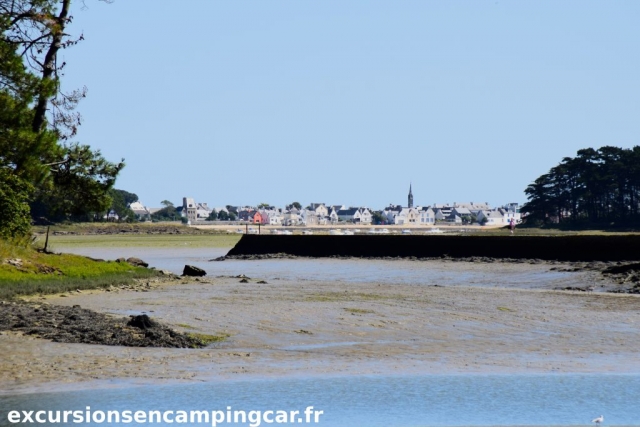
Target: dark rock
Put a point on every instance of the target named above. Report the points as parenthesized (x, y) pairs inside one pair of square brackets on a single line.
[(141, 321), (244, 281), (190, 270), (137, 262), (121, 260), (620, 269), (576, 288)]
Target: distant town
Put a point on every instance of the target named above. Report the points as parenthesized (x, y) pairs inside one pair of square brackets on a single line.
[(319, 214)]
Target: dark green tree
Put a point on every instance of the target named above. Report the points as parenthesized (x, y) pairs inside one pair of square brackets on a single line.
[(168, 213), (378, 218), (120, 201), (38, 119), (213, 216), (14, 209), (595, 187)]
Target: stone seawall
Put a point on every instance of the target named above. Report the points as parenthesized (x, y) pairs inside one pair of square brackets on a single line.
[(560, 248)]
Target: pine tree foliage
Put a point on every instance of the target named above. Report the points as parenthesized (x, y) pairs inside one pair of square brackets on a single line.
[(595, 187), (60, 178)]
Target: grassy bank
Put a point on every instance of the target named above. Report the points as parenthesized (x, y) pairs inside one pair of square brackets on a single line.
[(59, 242), (153, 235), (25, 271)]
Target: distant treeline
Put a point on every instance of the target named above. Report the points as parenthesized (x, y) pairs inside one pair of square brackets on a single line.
[(596, 187)]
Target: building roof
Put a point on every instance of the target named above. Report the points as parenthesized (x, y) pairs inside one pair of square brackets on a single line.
[(492, 214), (462, 211), (350, 211)]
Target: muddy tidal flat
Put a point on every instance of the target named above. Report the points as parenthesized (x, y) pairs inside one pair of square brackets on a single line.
[(315, 327)]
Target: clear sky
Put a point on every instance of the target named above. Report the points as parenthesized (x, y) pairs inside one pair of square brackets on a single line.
[(347, 102)]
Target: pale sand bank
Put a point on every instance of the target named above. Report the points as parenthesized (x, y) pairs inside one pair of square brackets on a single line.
[(334, 328)]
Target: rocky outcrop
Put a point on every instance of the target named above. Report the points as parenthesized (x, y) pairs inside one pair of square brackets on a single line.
[(191, 270), (79, 325), (137, 262)]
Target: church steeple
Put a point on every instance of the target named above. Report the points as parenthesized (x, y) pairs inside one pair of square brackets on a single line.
[(410, 197)]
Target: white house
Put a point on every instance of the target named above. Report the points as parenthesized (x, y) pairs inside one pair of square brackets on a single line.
[(509, 214), (320, 209), (427, 216), (291, 217), (203, 211), (333, 216), (355, 215), (309, 217), (407, 216), (140, 211), (390, 212), (348, 215), (442, 211), (493, 217), (364, 216), (275, 216)]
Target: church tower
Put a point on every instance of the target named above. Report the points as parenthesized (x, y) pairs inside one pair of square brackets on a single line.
[(410, 197)]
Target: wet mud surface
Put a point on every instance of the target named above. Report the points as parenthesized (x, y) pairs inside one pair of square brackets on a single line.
[(312, 327)]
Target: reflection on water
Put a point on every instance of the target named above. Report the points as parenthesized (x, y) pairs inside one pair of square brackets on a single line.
[(346, 270), (437, 400)]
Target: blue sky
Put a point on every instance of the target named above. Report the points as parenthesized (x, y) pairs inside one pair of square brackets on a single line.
[(347, 102)]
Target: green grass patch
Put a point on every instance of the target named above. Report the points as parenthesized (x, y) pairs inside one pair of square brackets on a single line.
[(358, 311), (185, 325), (25, 271), (350, 296), (205, 339)]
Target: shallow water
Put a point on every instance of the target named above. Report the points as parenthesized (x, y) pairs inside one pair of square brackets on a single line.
[(346, 270), (436, 400)]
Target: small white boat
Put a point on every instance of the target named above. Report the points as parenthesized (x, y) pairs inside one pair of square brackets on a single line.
[(384, 231), (406, 231), (435, 230), (348, 233), (335, 232), (307, 232), (372, 231)]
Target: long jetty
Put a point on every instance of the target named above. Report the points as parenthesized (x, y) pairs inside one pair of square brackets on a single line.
[(560, 248)]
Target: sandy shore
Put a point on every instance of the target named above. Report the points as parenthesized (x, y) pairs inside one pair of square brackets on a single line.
[(334, 328)]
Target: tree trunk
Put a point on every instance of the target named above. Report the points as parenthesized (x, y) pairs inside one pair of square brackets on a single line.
[(49, 66)]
